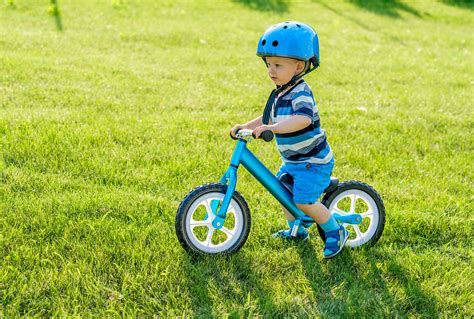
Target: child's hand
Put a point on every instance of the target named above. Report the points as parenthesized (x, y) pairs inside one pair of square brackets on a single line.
[(257, 131), (235, 128)]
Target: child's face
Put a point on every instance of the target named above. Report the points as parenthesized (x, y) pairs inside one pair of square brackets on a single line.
[(281, 70)]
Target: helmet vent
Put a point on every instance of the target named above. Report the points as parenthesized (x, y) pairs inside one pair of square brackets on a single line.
[(298, 26), (275, 43), (285, 27), (264, 41)]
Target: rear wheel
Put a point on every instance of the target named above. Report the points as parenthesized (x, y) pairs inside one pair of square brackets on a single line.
[(194, 221), (356, 197)]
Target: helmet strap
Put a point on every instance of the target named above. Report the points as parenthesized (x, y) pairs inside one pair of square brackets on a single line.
[(273, 95), (268, 107), (281, 88)]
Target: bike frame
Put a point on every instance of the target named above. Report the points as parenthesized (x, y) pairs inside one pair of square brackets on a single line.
[(243, 156)]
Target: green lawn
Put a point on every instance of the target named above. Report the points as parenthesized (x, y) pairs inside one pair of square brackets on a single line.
[(105, 127)]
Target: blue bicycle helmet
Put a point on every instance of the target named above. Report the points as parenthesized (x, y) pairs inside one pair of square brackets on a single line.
[(290, 39)]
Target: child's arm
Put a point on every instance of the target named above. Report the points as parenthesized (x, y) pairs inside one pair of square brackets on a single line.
[(251, 125), (292, 124), (256, 122)]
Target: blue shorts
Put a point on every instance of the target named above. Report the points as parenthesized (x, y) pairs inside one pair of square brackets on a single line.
[(309, 180)]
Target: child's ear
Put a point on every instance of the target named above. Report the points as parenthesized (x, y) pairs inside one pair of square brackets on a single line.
[(300, 66)]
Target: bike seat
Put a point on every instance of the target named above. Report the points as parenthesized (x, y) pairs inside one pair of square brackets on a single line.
[(286, 178), (332, 185), (287, 181)]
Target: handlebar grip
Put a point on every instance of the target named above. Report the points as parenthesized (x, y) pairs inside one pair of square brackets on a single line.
[(234, 138), (267, 136)]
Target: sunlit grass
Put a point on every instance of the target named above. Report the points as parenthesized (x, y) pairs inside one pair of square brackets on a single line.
[(105, 127)]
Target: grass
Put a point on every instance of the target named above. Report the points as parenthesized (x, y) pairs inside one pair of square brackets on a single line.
[(105, 126)]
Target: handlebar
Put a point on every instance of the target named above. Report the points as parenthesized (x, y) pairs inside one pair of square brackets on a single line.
[(267, 136)]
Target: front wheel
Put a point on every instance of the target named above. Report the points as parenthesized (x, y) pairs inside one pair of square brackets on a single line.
[(356, 197), (194, 221)]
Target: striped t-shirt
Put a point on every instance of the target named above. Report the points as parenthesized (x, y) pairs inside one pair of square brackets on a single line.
[(307, 145)]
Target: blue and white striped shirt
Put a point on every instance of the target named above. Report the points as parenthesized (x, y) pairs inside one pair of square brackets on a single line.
[(307, 145)]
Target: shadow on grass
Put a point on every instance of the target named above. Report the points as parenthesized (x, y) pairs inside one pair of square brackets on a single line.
[(367, 27), (388, 8), (278, 6), (467, 4), (216, 282), (345, 16), (376, 284), (347, 288)]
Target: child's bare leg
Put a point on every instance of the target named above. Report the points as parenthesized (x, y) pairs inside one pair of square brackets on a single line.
[(317, 211), (288, 215)]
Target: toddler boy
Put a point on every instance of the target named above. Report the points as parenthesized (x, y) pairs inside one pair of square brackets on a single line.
[(290, 50)]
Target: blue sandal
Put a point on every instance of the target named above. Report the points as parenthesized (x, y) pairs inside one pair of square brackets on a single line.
[(335, 241), (302, 234)]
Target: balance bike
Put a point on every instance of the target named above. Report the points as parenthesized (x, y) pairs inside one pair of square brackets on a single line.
[(215, 219)]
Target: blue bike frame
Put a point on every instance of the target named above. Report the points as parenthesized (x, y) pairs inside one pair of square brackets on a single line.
[(243, 156)]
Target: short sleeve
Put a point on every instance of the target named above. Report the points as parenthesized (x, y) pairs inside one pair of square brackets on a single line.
[(303, 104)]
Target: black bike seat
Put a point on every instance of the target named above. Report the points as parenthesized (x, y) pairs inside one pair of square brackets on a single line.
[(286, 178), (332, 185)]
